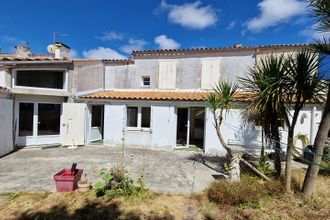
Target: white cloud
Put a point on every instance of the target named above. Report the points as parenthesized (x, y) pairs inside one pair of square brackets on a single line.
[(191, 15), (231, 25), (311, 33), (73, 53), (165, 42), (102, 53), (133, 44), (110, 36), (274, 12), (13, 40)]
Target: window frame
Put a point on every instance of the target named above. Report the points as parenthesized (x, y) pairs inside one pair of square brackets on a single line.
[(143, 78), (139, 118), (65, 79)]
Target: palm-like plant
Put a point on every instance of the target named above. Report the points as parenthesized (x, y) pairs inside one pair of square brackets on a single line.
[(321, 10), (302, 83), (220, 102), (266, 82)]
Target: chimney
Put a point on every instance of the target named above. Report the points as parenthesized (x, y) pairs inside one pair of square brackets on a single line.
[(22, 51), (238, 45), (62, 50)]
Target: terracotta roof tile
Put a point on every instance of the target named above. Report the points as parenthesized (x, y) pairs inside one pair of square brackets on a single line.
[(165, 52), (159, 95), (35, 57)]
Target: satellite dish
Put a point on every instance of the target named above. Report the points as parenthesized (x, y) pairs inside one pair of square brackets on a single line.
[(51, 48)]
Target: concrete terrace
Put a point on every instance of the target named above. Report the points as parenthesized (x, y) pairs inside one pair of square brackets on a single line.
[(173, 172)]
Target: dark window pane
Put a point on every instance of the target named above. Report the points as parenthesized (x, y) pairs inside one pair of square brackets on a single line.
[(97, 116), (25, 119), (132, 114), (40, 78), (49, 119), (145, 121), (146, 81)]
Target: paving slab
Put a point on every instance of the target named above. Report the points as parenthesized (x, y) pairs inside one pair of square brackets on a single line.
[(164, 171)]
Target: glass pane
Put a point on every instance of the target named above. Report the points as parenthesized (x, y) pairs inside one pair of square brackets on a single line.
[(42, 79), (145, 121), (25, 119), (146, 81), (49, 119), (132, 114), (96, 116)]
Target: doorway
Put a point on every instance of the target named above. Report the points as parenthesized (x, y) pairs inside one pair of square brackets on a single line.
[(38, 123), (190, 128), (182, 127), (96, 132)]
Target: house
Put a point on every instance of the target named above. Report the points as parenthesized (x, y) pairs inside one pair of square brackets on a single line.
[(39, 85), (155, 99)]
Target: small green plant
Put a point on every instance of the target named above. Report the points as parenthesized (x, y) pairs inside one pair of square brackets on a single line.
[(263, 162), (116, 181)]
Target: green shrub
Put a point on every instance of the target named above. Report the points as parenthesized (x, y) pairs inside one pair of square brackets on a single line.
[(247, 191), (117, 182)]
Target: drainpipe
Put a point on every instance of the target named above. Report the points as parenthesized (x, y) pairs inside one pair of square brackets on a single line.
[(312, 133)]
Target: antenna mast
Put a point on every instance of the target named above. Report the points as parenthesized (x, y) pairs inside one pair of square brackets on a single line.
[(57, 35)]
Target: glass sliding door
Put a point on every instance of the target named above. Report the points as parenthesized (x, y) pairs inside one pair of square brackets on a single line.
[(26, 119), (49, 119), (38, 123)]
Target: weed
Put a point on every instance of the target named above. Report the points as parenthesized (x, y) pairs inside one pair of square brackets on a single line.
[(247, 191), (117, 182), (263, 162)]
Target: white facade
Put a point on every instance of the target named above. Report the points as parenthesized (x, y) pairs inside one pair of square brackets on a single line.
[(6, 126)]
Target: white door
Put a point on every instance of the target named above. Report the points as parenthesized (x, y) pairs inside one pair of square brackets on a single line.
[(73, 124)]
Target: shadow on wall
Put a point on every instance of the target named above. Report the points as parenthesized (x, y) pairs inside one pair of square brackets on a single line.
[(91, 210), (248, 135)]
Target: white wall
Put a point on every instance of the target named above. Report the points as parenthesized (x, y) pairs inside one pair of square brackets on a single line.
[(6, 123), (161, 134), (306, 125), (234, 132)]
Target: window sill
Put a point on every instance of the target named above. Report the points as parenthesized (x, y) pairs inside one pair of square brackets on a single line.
[(138, 129)]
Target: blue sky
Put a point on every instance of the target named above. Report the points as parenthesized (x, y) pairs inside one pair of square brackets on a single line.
[(112, 29)]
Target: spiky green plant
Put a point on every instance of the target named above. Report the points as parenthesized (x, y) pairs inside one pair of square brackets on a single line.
[(221, 99), (266, 82)]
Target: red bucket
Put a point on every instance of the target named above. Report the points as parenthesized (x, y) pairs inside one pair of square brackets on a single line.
[(65, 181)]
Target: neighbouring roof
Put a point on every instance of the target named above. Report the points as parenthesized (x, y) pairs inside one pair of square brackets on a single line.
[(34, 57), (119, 61), (162, 52), (157, 95)]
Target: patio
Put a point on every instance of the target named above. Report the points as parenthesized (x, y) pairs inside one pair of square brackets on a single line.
[(163, 171)]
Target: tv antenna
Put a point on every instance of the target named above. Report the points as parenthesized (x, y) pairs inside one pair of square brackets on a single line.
[(56, 35)]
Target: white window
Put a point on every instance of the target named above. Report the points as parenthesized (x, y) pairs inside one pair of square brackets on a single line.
[(167, 74), (145, 81), (210, 73), (138, 117)]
